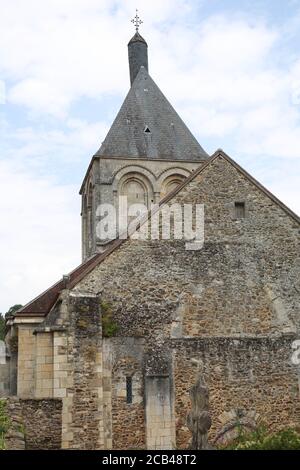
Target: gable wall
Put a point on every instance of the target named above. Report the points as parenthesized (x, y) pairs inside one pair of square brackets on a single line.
[(244, 280), (242, 286)]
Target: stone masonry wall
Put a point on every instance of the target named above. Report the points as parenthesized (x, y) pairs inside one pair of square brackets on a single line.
[(78, 371), (125, 422), (26, 361), (87, 354), (35, 424), (44, 365), (244, 283), (106, 174), (159, 413), (248, 373), (42, 423)]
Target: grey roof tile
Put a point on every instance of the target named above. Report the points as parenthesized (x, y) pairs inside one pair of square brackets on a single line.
[(146, 107)]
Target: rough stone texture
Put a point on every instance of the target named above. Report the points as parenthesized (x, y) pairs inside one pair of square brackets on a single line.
[(35, 424), (124, 358), (15, 435), (226, 288), (246, 373), (90, 375), (87, 425), (42, 423), (198, 418), (78, 372), (239, 294), (104, 182), (233, 304)]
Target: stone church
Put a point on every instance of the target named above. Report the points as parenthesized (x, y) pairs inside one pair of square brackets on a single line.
[(109, 346)]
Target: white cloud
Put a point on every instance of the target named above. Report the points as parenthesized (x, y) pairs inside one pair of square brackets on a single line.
[(41, 149), (68, 49), (40, 237), (40, 230)]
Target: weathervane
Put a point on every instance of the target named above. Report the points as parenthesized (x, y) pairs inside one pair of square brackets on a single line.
[(137, 21)]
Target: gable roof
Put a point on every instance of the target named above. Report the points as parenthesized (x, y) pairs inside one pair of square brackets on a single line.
[(42, 304), (147, 126)]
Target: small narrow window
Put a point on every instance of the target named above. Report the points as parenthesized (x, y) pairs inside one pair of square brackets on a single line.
[(147, 130), (239, 210), (129, 390)]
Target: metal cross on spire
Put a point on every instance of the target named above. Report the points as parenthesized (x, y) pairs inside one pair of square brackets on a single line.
[(137, 21)]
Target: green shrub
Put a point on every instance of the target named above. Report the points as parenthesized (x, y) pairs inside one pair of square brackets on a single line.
[(109, 326), (286, 439), (4, 423)]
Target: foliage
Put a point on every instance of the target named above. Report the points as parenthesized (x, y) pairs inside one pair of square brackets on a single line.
[(109, 326), (13, 343), (261, 439), (4, 423), (12, 310)]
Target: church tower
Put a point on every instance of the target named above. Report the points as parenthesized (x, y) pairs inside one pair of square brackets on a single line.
[(147, 152)]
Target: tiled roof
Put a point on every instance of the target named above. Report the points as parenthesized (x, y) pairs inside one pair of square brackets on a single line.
[(148, 126)]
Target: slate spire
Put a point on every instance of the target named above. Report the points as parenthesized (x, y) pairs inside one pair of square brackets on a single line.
[(137, 51), (147, 126)]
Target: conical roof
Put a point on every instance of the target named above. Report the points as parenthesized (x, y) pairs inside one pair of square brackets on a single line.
[(147, 126), (137, 38)]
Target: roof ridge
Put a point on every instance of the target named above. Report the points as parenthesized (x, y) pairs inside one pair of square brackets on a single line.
[(146, 105), (85, 268)]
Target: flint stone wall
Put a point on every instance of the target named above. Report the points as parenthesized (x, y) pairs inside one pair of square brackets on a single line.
[(35, 424), (243, 373), (243, 286)]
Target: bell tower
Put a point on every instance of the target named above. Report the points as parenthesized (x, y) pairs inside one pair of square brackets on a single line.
[(146, 153), (137, 51)]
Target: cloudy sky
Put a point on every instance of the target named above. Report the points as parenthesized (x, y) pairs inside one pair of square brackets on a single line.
[(231, 68)]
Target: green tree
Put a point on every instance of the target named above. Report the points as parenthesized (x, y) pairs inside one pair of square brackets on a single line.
[(12, 310)]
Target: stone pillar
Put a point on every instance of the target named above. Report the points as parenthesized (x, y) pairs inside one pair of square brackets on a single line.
[(26, 362), (44, 365), (78, 374), (63, 382), (4, 371), (107, 393), (160, 425)]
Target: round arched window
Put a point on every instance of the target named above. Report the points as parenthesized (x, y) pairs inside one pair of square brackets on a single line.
[(135, 191), (170, 183)]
